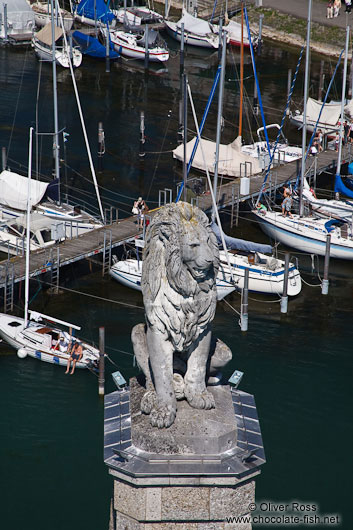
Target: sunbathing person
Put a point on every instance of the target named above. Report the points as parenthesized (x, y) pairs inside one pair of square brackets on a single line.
[(75, 355)]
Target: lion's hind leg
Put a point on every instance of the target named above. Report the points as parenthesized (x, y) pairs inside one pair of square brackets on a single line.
[(195, 390)]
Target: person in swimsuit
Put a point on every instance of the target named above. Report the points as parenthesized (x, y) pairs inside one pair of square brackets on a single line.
[(75, 355)]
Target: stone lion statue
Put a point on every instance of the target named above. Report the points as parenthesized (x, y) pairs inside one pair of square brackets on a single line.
[(174, 349)]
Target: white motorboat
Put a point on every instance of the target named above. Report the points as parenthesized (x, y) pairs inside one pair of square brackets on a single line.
[(128, 272), (42, 44), (133, 45), (137, 15), (42, 15), (197, 32), (43, 341), (44, 233), (13, 199), (308, 234)]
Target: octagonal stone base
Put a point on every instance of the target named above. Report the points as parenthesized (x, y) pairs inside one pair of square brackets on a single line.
[(193, 432)]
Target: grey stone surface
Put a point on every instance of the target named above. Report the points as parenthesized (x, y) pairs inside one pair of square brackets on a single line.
[(185, 504), (194, 431), (129, 500), (154, 504), (174, 350), (231, 501)]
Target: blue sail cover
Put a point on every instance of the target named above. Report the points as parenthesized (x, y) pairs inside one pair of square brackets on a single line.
[(86, 9), (341, 188), (234, 243), (91, 46)]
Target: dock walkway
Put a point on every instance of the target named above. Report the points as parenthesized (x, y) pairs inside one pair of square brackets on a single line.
[(103, 240)]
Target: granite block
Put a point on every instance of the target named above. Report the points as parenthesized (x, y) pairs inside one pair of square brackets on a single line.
[(129, 500), (228, 502), (186, 504)]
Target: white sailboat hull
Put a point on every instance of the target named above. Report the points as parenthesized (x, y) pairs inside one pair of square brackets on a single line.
[(296, 233), (125, 44), (61, 56), (32, 342), (202, 41), (128, 272)]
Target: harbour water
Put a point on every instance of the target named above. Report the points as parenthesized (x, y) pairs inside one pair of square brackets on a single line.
[(298, 366)]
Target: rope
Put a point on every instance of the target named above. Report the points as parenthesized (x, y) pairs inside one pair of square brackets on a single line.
[(93, 296), (228, 304)]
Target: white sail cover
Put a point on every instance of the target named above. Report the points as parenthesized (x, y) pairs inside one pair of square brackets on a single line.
[(230, 157), (330, 113), (194, 24), (20, 17), (233, 29), (13, 190)]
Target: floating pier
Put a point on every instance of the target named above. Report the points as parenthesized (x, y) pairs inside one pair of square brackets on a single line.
[(103, 240)]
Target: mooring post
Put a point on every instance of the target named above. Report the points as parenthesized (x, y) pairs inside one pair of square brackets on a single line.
[(324, 286), (166, 10), (101, 361), (5, 22), (289, 84), (220, 35), (100, 145), (4, 158), (146, 48), (232, 212), (107, 52), (142, 134), (244, 304), (284, 299), (259, 46), (237, 208)]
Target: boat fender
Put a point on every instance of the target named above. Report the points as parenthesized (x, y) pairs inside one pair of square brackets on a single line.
[(22, 353)]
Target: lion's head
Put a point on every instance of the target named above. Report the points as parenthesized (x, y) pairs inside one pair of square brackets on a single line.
[(180, 267)]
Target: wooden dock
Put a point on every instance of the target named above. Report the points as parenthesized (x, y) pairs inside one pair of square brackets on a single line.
[(103, 240)]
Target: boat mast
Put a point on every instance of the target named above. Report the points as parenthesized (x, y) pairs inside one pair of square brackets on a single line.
[(219, 118), (55, 100), (339, 158), (28, 220), (306, 86), (241, 71)]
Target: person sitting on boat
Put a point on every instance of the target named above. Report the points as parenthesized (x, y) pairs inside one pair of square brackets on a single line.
[(261, 208), (63, 344), (75, 355)]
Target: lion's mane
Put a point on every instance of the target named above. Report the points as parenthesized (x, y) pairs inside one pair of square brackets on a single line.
[(176, 303)]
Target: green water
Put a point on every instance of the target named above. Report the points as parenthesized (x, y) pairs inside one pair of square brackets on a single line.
[(298, 366)]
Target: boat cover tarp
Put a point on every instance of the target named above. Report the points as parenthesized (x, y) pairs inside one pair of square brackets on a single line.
[(350, 168), (13, 190), (330, 113), (91, 46), (341, 188), (234, 243), (45, 34), (20, 17), (234, 31), (153, 37), (194, 24), (86, 9), (230, 157)]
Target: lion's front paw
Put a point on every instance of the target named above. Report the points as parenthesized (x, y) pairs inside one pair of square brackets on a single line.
[(163, 416), (148, 401), (202, 400)]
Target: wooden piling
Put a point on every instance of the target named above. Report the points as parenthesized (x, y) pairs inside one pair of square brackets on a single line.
[(325, 282), (244, 317), (101, 379)]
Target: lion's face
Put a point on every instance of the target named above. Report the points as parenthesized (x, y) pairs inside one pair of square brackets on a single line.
[(196, 252)]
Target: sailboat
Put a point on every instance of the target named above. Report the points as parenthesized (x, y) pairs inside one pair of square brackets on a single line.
[(133, 44), (197, 32), (42, 15), (42, 42), (29, 335), (309, 233)]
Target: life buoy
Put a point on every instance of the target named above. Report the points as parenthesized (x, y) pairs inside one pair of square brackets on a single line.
[(22, 353)]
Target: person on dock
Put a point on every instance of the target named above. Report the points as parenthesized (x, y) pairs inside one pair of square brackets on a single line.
[(320, 138), (142, 209), (336, 8), (75, 355), (348, 6), (329, 10), (337, 141)]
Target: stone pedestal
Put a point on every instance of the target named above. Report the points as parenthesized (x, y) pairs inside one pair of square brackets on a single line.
[(193, 476)]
